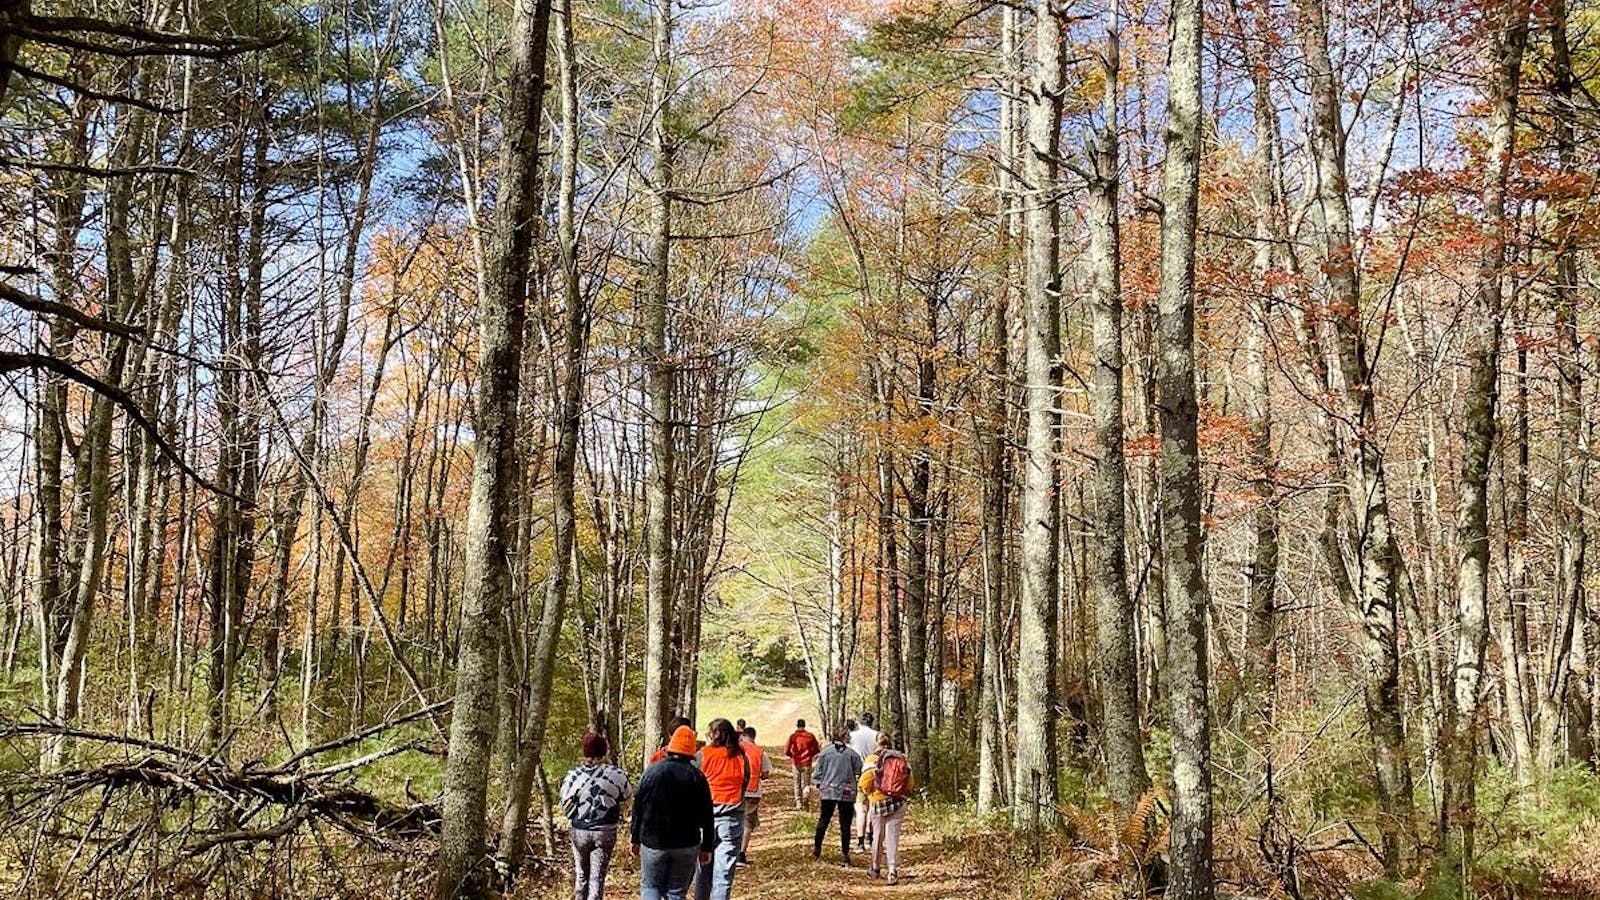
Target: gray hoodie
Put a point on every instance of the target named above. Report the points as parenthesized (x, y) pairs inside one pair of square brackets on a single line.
[(836, 772)]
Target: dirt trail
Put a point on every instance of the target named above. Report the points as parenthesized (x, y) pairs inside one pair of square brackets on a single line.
[(781, 864), (782, 868)]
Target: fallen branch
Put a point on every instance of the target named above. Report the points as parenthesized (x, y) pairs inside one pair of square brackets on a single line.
[(298, 795)]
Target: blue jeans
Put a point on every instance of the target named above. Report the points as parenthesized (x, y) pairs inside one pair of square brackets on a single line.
[(716, 880), (665, 874)]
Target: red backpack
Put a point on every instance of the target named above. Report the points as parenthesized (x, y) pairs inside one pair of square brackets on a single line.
[(894, 775)]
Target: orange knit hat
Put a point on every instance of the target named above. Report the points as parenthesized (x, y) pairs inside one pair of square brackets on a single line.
[(683, 741)]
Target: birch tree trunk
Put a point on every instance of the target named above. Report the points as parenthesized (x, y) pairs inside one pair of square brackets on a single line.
[(1477, 446), (490, 529)]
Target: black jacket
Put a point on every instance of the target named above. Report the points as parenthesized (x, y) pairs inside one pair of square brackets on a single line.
[(672, 807)]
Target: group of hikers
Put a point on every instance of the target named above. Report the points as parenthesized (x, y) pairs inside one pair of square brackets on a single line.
[(698, 804)]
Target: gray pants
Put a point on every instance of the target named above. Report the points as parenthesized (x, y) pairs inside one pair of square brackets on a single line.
[(591, 858), (665, 874)]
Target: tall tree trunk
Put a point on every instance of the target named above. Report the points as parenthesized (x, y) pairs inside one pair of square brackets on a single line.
[(1571, 481), (919, 575), (1114, 613), (1040, 548), (1188, 667), (490, 529), (658, 391), (1260, 670), (996, 484), (568, 418), (1376, 587), (1477, 446)]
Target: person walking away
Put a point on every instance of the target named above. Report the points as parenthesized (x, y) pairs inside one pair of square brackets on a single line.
[(673, 828), (728, 772), (661, 751), (592, 795), (801, 750), (887, 780), (760, 768), (837, 776), (864, 740)]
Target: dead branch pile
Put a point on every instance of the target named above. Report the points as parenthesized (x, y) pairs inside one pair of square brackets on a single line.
[(172, 806)]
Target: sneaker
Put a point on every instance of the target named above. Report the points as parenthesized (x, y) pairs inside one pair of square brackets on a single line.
[(741, 861), (874, 873), (893, 879), (816, 855), (846, 862)]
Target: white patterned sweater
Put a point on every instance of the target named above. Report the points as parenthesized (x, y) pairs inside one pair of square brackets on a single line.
[(592, 796)]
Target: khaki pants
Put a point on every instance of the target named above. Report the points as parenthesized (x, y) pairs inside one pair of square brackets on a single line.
[(886, 840), (802, 785)]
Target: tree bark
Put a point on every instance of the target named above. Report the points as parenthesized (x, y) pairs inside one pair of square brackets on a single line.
[(490, 528), (1376, 588), (1188, 666), (996, 484), (1041, 509), (1115, 624), (658, 390), (1477, 445), (568, 418)]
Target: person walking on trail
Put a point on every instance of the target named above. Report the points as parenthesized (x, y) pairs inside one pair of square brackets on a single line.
[(591, 797), (673, 829), (661, 751), (863, 740), (728, 771), (838, 776), (801, 750), (760, 768), (887, 780)]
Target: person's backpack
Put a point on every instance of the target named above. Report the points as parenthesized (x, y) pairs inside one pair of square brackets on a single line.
[(894, 775)]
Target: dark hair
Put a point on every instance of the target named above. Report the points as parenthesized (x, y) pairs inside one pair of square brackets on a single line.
[(679, 722), (850, 725), (750, 732), (867, 719), (886, 740), (595, 746), (800, 723), (723, 735), (841, 736), (739, 724)]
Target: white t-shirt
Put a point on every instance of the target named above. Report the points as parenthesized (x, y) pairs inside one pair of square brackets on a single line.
[(864, 741)]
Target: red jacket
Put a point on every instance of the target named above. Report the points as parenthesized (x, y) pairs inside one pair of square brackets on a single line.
[(802, 748)]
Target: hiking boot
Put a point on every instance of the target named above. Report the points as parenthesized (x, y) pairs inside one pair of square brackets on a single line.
[(816, 855), (874, 873), (742, 861), (847, 863)]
